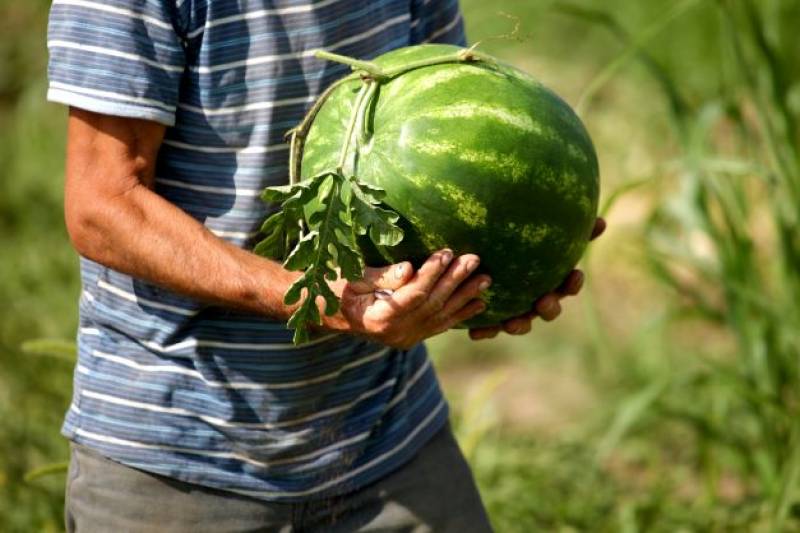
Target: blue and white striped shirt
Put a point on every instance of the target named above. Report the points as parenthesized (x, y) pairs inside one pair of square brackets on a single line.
[(205, 394)]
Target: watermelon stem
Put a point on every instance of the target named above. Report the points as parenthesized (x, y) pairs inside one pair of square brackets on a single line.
[(358, 108), (363, 125), (373, 70), (299, 133), (372, 76)]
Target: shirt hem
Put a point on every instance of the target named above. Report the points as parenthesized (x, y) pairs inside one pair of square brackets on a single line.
[(107, 107), (378, 472)]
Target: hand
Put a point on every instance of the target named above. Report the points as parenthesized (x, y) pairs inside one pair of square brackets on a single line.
[(399, 307), (547, 307)]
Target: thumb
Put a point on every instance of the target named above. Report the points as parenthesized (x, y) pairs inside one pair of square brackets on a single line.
[(391, 278)]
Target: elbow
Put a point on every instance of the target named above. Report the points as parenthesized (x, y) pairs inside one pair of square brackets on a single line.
[(87, 227)]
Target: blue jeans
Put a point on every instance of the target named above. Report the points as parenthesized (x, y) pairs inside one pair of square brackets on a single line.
[(435, 492)]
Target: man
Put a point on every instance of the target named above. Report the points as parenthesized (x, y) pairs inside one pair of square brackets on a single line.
[(192, 410)]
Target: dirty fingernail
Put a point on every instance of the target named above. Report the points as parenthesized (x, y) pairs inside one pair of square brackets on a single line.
[(384, 294), (447, 256)]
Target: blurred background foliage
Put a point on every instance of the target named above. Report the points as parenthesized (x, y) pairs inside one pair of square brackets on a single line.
[(665, 399)]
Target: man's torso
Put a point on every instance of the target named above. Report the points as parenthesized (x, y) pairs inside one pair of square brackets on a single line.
[(205, 394)]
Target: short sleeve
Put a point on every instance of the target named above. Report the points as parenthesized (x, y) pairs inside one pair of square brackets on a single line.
[(116, 57), (437, 21)]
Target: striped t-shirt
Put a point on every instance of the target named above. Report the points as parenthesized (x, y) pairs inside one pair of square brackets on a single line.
[(206, 394)]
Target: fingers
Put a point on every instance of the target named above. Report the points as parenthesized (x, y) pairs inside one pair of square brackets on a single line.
[(465, 293), (478, 334), (471, 309), (572, 284), (388, 278), (548, 306), (419, 287), (519, 325), (450, 282), (599, 228), (433, 269)]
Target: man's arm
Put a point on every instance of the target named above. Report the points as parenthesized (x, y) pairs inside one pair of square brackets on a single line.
[(115, 218)]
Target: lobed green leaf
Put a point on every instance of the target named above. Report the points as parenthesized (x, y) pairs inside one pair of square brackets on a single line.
[(279, 193), (294, 292), (303, 254), (274, 244), (334, 210)]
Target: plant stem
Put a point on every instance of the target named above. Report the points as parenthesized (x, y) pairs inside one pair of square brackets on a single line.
[(370, 68), (362, 124), (374, 76), (378, 74), (462, 56), (298, 133), (293, 155), (365, 89)]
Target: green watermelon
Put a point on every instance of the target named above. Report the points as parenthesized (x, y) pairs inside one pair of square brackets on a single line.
[(474, 156)]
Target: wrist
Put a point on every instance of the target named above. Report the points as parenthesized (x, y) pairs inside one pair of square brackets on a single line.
[(263, 285), (264, 289)]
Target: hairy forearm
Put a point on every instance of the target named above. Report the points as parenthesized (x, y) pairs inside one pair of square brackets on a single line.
[(141, 234), (115, 218)]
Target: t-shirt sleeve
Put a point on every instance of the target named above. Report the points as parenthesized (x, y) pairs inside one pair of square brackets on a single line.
[(117, 57), (437, 21)]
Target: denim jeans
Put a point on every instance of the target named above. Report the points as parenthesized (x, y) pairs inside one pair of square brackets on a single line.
[(435, 492)]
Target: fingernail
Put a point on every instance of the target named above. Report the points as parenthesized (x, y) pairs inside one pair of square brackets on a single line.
[(398, 272), (384, 294), (471, 264), (485, 284), (447, 256)]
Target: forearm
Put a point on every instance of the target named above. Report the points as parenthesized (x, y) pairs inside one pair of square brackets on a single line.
[(114, 217), (141, 234)]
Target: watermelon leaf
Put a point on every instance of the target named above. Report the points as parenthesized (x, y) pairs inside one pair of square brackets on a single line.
[(303, 253), (331, 210), (370, 217), (274, 245), (278, 193)]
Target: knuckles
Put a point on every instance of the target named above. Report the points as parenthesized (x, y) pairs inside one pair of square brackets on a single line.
[(417, 299), (434, 305)]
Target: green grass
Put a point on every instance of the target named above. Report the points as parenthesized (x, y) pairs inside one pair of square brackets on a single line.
[(665, 398)]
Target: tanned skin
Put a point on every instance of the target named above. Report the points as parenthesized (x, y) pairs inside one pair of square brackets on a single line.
[(114, 218)]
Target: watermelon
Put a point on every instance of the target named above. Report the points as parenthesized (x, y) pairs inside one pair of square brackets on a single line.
[(475, 156)]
